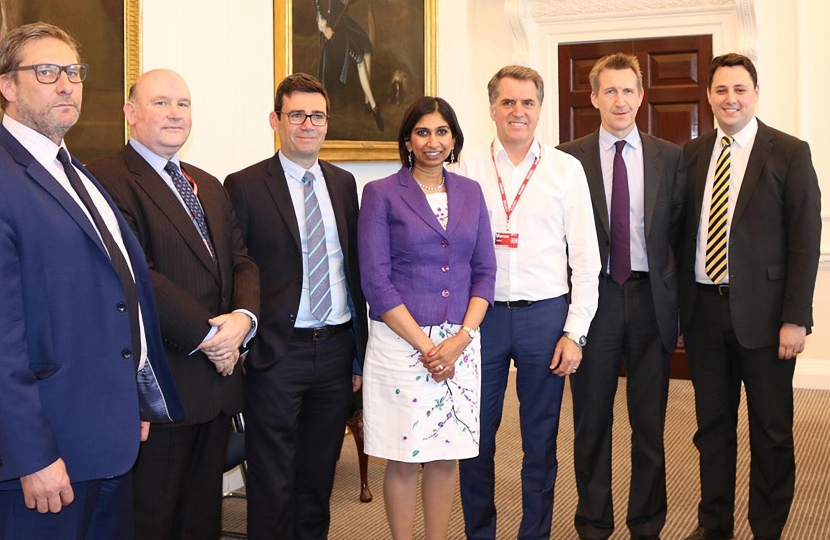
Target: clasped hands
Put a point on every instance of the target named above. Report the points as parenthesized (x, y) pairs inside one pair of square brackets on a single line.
[(223, 348), (440, 359)]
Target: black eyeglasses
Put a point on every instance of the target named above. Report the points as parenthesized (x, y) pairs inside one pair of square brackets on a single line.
[(50, 73), (298, 118)]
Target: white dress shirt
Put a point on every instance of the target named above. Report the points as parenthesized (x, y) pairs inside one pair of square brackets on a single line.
[(555, 223), (633, 157), (741, 148), (45, 152), (340, 312)]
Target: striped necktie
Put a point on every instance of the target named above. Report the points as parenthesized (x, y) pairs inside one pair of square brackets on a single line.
[(718, 211), (319, 285), (197, 214)]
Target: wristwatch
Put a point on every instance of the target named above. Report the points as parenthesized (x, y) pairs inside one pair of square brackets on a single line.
[(472, 333), (576, 338)]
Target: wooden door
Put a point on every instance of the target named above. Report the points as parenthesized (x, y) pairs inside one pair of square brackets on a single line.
[(674, 106)]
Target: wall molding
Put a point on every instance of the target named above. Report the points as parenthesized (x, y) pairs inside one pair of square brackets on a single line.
[(812, 373)]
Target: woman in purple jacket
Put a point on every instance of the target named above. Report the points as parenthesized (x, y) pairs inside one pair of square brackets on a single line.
[(428, 271)]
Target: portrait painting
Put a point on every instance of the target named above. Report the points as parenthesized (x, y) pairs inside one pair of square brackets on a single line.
[(374, 58), (107, 35)]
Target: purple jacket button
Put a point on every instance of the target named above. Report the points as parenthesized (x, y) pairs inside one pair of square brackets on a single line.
[(445, 268), (445, 243), (445, 293)]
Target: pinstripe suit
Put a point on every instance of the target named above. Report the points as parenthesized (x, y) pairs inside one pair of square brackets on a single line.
[(190, 288)]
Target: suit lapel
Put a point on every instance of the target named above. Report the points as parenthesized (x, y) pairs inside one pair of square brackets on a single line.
[(40, 175), (652, 169), (701, 160), (417, 201), (761, 149), (277, 185), (338, 203), (593, 171), (457, 197), (160, 193)]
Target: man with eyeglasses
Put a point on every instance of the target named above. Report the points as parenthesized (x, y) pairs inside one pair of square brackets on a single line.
[(207, 291), (82, 358), (298, 217)]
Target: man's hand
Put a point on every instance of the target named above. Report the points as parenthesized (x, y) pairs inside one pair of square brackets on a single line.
[(48, 489), (357, 383), (145, 431), (225, 367), (224, 345), (566, 357), (791, 340)]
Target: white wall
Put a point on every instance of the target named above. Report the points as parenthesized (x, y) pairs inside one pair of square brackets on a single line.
[(225, 52)]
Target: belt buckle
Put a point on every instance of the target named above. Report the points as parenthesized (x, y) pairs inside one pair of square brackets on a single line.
[(318, 333), (723, 289), (511, 307)]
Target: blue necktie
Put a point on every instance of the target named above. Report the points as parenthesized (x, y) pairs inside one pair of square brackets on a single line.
[(319, 285), (620, 220), (196, 212)]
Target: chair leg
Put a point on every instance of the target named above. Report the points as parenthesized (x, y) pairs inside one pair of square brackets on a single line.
[(355, 425)]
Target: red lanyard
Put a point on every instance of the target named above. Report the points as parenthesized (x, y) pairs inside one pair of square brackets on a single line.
[(509, 211)]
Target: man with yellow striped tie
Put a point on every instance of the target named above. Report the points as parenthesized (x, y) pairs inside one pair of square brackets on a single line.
[(747, 274)]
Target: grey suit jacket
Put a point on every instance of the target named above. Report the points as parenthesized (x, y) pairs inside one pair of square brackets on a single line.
[(664, 182), (774, 238)]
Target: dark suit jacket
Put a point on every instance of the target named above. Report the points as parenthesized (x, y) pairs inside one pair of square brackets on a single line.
[(664, 178), (189, 286), (269, 227), (67, 384), (774, 238)]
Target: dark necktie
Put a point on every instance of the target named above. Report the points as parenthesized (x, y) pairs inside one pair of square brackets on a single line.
[(116, 256), (620, 220), (718, 213), (196, 212), (319, 285)]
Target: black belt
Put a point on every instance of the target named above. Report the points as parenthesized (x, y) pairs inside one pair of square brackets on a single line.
[(324, 332), (515, 304), (636, 275), (720, 290)]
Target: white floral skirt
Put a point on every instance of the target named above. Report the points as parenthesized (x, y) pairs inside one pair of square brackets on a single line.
[(407, 415)]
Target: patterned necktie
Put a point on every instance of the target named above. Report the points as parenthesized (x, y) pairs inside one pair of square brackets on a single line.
[(718, 211), (119, 263), (319, 285), (620, 220), (196, 212)]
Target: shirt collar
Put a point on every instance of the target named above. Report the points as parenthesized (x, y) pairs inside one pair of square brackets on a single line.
[(533, 152), (296, 171), (745, 136), (155, 161), (39, 145), (607, 139)]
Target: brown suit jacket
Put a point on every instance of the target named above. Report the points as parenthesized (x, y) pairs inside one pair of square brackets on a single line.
[(774, 238), (189, 286)]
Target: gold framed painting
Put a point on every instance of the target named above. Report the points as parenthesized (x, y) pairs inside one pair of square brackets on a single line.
[(373, 56), (108, 34)]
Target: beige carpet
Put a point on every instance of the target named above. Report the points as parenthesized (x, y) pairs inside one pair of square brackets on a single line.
[(809, 518)]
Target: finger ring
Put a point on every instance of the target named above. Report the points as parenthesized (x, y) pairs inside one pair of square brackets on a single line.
[(440, 368)]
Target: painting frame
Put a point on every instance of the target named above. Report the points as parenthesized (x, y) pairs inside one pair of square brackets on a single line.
[(351, 150)]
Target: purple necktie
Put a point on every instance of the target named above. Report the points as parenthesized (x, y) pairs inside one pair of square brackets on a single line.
[(620, 220)]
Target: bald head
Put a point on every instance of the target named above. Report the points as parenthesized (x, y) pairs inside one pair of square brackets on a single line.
[(158, 111)]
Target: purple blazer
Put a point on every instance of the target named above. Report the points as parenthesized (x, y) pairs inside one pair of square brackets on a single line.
[(406, 257)]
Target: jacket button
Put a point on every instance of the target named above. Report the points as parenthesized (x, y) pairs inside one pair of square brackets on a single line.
[(445, 243), (292, 317), (121, 306), (445, 293), (445, 268), (127, 353)]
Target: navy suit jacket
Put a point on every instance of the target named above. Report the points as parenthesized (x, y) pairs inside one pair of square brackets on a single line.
[(406, 256), (774, 237), (664, 180), (67, 378)]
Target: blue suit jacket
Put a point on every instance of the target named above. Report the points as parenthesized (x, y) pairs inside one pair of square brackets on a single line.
[(67, 385), (406, 257)]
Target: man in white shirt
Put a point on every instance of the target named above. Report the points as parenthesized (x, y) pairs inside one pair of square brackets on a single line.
[(540, 212)]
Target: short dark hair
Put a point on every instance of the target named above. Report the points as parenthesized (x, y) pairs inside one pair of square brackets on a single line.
[(12, 44), (733, 60), (619, 61), (299, 82), (420, 108), (521, 73)]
